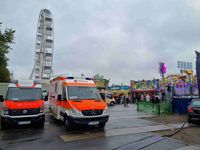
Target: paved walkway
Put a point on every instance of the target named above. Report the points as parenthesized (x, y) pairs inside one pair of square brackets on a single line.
[(123, 121), (192, 147), (124, 128), (115, 132)]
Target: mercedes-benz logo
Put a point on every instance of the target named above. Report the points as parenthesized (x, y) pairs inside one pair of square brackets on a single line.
[(25, 111), (93, 113)]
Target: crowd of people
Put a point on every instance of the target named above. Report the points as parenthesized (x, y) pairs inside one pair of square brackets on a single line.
[(122, 99), (155, 98)]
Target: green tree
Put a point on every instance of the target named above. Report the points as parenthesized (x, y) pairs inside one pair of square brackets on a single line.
[(6, 38)]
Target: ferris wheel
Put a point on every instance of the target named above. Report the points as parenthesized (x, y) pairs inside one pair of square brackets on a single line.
[(44, 47)]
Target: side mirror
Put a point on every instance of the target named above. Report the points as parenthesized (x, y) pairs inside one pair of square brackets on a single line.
[(46, 98), (59, 97), (1, 98)]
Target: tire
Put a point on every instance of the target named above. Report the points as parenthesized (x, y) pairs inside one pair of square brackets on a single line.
[(68, 124), (189, 120), (50, 111), (41, 125), (102, 125), (3, 124)]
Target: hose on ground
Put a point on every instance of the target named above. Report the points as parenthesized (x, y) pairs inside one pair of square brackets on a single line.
[(170, 135)]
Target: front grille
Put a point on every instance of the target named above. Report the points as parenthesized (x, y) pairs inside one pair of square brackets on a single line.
[(92, 112), (20, 112)]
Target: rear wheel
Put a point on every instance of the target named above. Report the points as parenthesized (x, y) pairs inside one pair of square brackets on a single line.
[(50, 111)]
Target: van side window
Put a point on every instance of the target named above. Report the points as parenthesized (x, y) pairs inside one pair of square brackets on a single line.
[(56, 86), (64, 96)]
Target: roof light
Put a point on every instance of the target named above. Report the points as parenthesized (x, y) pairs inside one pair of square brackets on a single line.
[(36, 82), (88, 78), (14, 81), (70, 77)]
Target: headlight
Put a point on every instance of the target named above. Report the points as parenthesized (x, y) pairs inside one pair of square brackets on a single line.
[(106, 110), (42, 108), (5, 110), (74, 112)]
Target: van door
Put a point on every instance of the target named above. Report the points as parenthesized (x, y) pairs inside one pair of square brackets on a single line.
[(53, 100)]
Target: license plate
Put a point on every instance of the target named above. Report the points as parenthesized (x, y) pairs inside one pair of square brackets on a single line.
[(24, 122), (93, 122)]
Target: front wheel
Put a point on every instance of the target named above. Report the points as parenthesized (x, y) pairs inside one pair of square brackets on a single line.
[(3, 124), (102, 125), (41, 124), (68, 124), (189, 120)]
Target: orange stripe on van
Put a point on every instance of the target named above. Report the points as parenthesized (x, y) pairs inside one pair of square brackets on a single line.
[(23, 104)]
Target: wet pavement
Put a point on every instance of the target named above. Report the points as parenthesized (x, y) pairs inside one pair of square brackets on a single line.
[(120, 133)]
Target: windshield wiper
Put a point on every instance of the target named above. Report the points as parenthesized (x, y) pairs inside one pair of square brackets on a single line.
[(26, 99), (92, 98), (77, 100)]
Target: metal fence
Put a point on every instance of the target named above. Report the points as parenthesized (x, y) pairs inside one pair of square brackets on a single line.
[(162, 108)]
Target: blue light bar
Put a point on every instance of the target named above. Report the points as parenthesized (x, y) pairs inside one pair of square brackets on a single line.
[(14, 81), (88, 78)]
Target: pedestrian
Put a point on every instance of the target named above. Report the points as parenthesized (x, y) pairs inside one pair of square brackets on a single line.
[(121, 98), (127, 99), (148, 97), (157, 98), (162, 91), (103, 97), (142, 97)]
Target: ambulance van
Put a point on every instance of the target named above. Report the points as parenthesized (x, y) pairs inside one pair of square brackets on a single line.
[(76, 101), (23, 104)]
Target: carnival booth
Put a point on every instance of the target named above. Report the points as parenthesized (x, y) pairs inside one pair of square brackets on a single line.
[(118, 90), (184, 88), (140, 89)]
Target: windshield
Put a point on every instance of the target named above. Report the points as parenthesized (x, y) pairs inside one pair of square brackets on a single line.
[(78, 92), (196, 103), (24, 94)]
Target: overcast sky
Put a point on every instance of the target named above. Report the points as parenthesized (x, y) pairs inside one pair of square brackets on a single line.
[(121, 39)]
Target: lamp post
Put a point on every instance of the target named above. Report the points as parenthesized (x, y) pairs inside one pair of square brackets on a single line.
[(162, 71)]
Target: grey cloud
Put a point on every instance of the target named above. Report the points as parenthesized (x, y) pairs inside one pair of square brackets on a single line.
[(123, 40)]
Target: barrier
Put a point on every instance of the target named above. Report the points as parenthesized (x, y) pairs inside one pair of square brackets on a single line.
[(162, 108)]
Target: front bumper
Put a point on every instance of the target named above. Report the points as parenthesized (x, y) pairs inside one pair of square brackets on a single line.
[(194, 116), (16, 120), (86, 121)]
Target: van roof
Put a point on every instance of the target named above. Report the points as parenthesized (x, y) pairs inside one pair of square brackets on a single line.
[(25, 83), (75, 81)]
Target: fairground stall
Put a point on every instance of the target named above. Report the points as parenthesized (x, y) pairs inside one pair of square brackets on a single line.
[(139, 89), (182, 88), (119, 90), (101, 82)]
